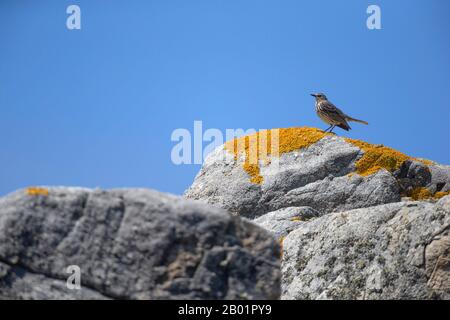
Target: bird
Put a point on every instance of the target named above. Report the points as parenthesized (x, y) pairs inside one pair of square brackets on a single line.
[(331, 114)]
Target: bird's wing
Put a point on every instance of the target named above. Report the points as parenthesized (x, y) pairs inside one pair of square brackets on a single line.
[(327, 106)]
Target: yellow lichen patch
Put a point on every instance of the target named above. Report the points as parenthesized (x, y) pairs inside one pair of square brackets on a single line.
[(291, 139), (377, 157), (420, 194), (441, 194), (253, 171), (258, 147), (425, 161), (36, 191), (424, 194), (296, 219)]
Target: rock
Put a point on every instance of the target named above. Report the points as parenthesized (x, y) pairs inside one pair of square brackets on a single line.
[(440, 178), (393, 251), (413, 175), (23, 284), (344, 210), (130, 244), (334, 194), (311, 168), (283, 221)]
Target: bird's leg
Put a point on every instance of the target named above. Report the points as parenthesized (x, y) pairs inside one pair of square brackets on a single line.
[(332, 127), (328, 128)]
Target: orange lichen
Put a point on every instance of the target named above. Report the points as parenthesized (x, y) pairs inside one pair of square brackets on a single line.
[(259, 147), (441, 194), (425, 194), (377, 157), (36, 191), (253, 171), (420, 194), (263, 144)]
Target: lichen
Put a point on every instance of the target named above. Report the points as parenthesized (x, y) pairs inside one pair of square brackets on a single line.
[(253, 171), (260, 146), (441, 194), (36, 191), (420, 194), (377, 157), (425, 194)]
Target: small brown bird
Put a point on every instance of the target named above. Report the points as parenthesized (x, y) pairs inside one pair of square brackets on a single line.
[(331, 114)]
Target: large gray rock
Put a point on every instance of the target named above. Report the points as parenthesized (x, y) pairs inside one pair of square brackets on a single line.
[(322, 176), (393, 251), (336, 206), (131, 244)]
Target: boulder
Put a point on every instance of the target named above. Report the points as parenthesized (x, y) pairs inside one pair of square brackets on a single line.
[(393, 251), (130, 244), (297, 167)]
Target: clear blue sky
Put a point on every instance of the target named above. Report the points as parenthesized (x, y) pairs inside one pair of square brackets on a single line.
[(96, 107)]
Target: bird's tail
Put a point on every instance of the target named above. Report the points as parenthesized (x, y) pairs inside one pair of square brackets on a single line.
[(356, 120)]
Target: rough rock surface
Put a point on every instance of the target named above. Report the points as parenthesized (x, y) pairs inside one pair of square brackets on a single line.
[(440, 178), (342, 210), (283, 221), (394, 251), (322, 175), (131, 244)]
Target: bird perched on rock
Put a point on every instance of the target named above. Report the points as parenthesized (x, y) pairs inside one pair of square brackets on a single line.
[(331, 114)]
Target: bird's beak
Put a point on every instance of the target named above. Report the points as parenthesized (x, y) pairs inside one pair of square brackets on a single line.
[(313, 94)]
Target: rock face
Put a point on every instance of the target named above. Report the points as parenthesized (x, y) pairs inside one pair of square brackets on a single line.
[(322, 171), (130, 244), (283, 221), (346, 212), (393, 251)]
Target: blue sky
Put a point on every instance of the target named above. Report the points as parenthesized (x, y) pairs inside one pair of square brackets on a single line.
[(96, 107)]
